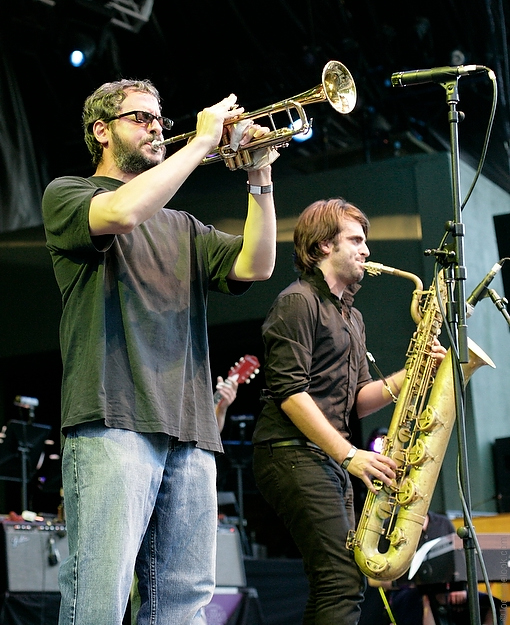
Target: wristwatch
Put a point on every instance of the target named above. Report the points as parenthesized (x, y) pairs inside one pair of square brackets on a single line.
[(349, 457), (256, 189)]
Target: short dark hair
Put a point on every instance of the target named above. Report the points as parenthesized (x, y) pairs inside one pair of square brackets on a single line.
[(105, 103), (322, 222)]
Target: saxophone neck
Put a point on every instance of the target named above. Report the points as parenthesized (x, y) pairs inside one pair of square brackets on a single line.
[(375, 269)]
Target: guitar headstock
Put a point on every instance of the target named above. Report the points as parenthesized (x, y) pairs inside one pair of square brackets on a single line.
[(245, 369)]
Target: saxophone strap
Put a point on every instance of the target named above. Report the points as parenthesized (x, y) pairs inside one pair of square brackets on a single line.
[(386, 385)]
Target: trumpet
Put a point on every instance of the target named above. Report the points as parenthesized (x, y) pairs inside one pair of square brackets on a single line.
[(337, 87)]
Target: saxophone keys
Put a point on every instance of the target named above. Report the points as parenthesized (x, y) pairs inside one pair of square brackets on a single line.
[(428, 419), (418, 453), (385, 509), (376, 564), (408, 492), (404, 433), (397, 537)]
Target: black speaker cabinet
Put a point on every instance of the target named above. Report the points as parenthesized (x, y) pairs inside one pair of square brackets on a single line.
[(501, 455), (31, 556)]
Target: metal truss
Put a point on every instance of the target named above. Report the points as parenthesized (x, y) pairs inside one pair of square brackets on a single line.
[(128, 14)]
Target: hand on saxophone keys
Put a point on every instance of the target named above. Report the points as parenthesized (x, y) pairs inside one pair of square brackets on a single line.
[(370, 466), (438, 352)]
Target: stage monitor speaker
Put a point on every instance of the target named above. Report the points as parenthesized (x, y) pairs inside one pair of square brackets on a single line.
[(229, 558), (31, 556), (501, 457)]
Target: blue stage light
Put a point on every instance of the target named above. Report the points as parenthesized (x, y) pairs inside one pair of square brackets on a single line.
[(77, 58), (302, 136)]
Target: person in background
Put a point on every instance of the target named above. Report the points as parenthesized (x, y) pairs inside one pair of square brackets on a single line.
[(227, 391), (138, 421), (317, 380)]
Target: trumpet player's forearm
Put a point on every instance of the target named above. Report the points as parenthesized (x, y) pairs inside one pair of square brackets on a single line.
[(143, 195), (257, 257)]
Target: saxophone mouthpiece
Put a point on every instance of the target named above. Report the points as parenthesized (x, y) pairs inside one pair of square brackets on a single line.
[(375, 269)]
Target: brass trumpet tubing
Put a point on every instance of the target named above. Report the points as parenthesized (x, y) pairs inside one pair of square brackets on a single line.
[(337, 88), (269, 111)]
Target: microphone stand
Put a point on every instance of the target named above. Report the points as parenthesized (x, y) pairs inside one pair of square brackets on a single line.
[(455, 272)]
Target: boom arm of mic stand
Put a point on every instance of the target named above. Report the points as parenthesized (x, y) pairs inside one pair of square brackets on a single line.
[(500, 303)]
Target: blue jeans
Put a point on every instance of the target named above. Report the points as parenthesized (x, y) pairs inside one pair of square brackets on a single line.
[(313, 496), (140, 500)]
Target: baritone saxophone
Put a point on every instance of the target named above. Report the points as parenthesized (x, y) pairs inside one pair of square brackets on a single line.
[(390, 525)]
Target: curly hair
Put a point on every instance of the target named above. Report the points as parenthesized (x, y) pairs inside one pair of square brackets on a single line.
[(105, 103), (322, 222)]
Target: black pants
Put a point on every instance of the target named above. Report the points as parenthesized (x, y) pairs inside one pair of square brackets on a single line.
[(313, 496)]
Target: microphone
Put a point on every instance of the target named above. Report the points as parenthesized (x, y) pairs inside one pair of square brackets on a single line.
[(54, 554), (436, 74), (480, 291)]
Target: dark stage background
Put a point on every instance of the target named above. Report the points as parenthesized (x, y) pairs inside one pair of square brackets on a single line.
[(196, 53)]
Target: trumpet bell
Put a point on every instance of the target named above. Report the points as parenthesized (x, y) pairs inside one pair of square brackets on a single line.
[(339, 87)]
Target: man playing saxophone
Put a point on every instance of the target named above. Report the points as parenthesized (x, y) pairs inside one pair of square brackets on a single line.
[(318, 378)]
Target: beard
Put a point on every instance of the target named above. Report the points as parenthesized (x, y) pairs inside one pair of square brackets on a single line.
[(131, 160), (345, 267)]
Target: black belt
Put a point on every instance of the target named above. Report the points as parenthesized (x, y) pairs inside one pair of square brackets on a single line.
[(291, 442)]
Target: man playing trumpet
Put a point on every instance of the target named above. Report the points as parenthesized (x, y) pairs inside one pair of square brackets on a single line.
[(138, 418)]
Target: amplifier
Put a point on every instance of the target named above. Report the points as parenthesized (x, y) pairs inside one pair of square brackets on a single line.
[(229, 557), (31, 554)]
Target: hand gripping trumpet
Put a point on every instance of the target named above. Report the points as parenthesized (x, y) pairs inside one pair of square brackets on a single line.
[(390, 524), (337, 87)]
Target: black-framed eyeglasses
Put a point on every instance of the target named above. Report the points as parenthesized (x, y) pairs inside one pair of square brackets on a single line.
[(144, 117)]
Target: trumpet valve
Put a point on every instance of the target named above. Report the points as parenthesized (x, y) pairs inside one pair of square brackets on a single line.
[(235, 160)]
